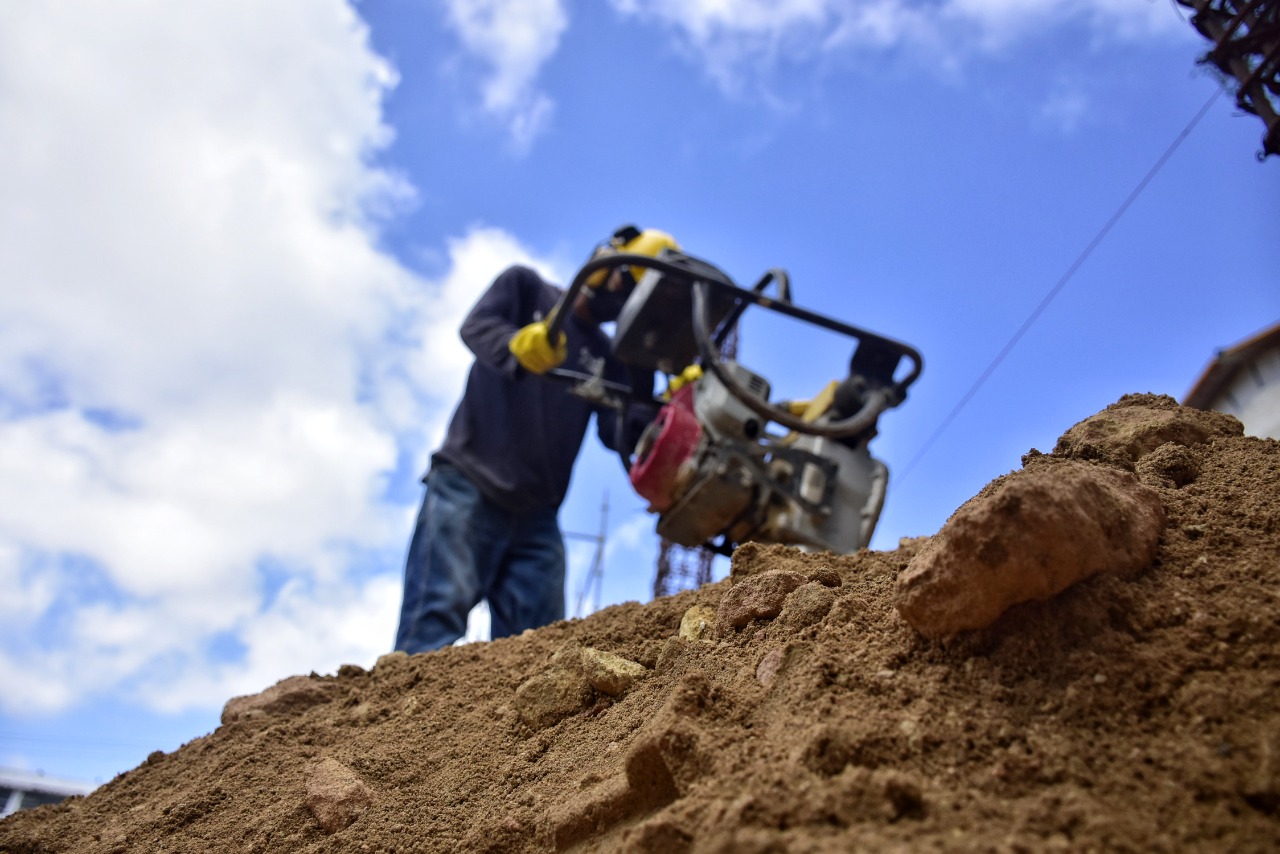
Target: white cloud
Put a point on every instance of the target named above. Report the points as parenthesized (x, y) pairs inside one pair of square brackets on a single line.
[(633, 535), (306, 629), (162, 197), (740, 41), (702, 18), (998, 20), (28, 592), (737, 40), (514, 39), (1066, 106), (473, 261), (183, 505), (208, 368), (631, 557)]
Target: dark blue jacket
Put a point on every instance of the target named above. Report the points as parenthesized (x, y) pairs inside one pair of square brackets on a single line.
[(516, 435)]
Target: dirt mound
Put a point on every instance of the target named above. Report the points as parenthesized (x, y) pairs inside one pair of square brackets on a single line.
[(792, 708)]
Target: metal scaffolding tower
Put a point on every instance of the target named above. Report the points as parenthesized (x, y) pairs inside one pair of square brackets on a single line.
[(589, 593), (1246, 52), (681, 568)]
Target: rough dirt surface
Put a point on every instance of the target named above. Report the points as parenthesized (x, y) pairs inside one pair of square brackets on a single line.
[(1134, 711)]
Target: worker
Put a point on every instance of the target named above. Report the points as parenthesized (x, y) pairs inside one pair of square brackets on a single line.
[(488, 528)]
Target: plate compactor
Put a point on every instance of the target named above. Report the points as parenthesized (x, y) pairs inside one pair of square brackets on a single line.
[(720, 464)]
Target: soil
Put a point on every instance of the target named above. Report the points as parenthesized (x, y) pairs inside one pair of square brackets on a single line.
[(1134, 711)]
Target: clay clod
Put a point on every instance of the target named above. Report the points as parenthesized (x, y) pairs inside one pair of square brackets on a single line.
[(806, 605), (288, 696), (1137, 424), (757, 597), (1028, 537), (336, 796), (551, 696), (608, 673)]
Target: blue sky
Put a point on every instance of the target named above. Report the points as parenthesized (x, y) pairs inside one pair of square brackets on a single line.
[(238, 238)]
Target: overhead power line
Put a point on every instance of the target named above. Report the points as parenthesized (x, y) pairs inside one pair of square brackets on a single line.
[(1059, 285)]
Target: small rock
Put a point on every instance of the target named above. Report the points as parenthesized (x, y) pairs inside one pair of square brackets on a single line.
[(697, 622), (552, 696), (670, 654), (757, 597), (609, 673), (336, 796), (770, 664), (604, 671)]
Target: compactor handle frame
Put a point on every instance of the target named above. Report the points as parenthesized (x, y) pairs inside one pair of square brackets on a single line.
[(876, 400)]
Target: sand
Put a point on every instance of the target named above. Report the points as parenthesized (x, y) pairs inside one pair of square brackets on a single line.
[(793, 707)]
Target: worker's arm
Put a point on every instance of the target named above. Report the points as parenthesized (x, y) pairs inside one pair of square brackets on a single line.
[(508, 306)]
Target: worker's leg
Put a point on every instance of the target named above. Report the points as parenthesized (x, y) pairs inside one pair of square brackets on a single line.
[(528, 590), (442, 575)]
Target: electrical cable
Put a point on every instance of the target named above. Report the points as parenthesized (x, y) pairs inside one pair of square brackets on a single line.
[(1061, 283)]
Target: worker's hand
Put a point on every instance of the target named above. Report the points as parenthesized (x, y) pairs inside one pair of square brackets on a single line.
[(533, 349), (693, 373)]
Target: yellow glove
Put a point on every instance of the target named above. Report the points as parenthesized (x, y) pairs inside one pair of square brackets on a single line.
[(533, 350), (693, 373), (810, 410)]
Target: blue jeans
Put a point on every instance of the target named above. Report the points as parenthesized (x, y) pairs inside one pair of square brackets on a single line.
[(464, 549)]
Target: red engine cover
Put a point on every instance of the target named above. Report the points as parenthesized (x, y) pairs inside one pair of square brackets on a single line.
[(655, 473)]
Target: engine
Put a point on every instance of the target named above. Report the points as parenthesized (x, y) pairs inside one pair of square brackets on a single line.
[(709, 468)]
